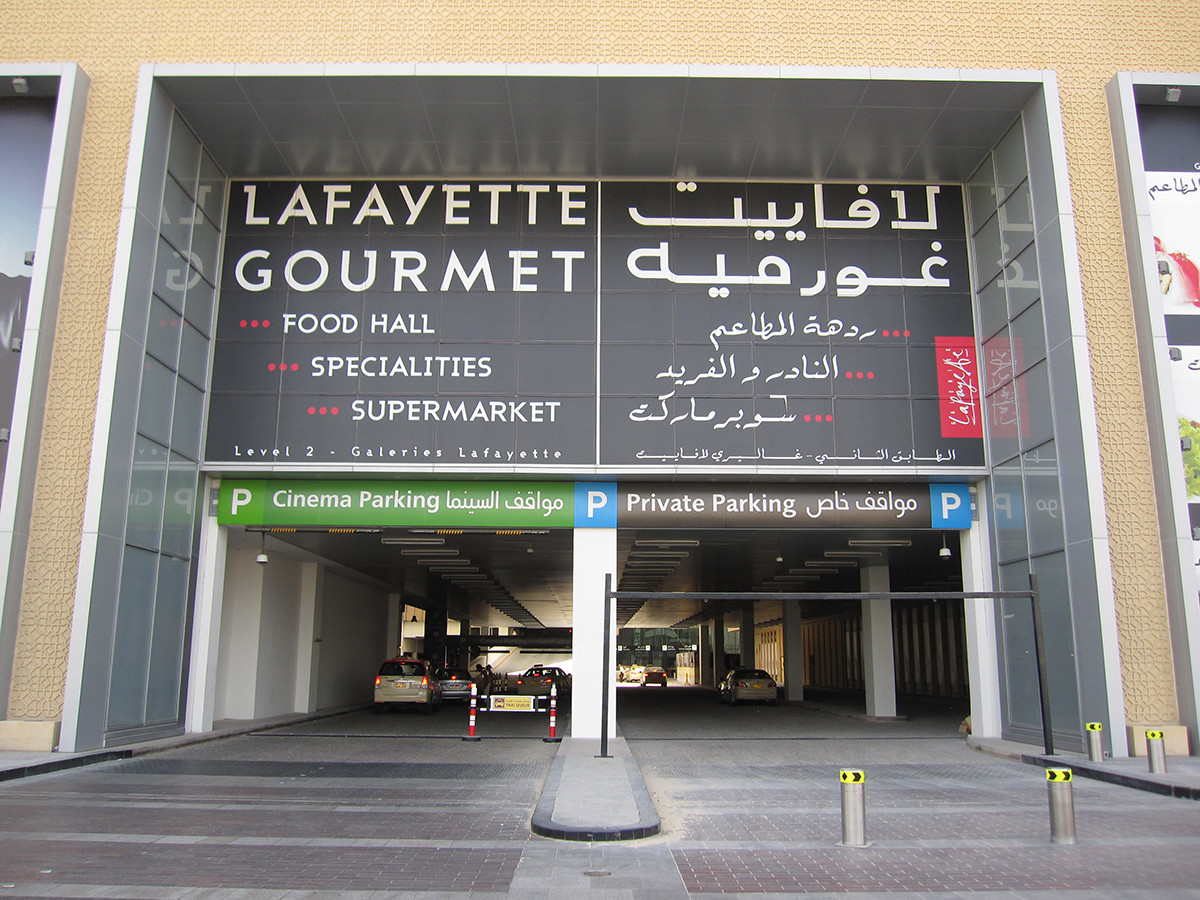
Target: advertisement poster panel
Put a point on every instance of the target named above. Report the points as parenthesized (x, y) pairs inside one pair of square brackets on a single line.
[(615, 325), (1175, 219)]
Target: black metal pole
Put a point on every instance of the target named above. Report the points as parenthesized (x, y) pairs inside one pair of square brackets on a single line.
[(1039, 652), (605, 673)]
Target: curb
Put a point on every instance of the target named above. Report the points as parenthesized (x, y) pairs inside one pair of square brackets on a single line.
[(1087, 769), (59, 765), (648, 824)]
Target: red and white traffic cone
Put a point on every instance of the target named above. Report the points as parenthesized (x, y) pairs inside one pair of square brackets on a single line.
[(553, 716), (471, 721)]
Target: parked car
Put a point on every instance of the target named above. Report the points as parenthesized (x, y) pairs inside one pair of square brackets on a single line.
[(407, 682), (654, 675), (456, 684), (539, 679), (747, 684)]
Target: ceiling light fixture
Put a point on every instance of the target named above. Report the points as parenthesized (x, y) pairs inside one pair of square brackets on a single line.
[(413, 542), (834, 554), (429, 552), (880, 542)]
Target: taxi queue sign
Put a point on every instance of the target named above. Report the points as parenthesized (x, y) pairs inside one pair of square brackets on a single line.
[(510, 703), (1095, 741), (1062, 806), (854, 808), (1156, 750)]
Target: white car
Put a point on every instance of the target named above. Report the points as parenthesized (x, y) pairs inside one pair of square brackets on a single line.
[(748, 684), (407, 682)]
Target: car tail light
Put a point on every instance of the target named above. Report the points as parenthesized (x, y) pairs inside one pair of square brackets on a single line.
[(770, 684), (424, 681), (378, 681), (520, 681)]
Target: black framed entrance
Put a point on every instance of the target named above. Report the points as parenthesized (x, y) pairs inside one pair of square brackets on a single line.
[(611, 597)]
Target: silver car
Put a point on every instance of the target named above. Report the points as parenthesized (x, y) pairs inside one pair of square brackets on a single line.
[(747, 684), (407, 682), (456, 684)]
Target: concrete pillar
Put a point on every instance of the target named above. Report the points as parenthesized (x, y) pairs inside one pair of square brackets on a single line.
[(595, 555), (746, 626), (206, 625), (983, 662), (308, 646), (719, 668), (704, 659), (879, 663), (793, 652)]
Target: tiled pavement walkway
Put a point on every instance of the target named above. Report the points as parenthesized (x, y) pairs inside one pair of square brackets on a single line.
[(398, 806)]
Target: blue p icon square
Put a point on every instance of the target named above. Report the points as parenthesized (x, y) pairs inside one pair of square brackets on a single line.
[(950, 506), (596, 504)]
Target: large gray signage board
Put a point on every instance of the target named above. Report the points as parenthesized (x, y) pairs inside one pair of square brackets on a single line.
[(637, 325)]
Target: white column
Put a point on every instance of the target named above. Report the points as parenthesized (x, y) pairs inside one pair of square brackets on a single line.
[(879, 665), (793, 652), (206, 624), (308, 645), (983, 663), (595, 553)]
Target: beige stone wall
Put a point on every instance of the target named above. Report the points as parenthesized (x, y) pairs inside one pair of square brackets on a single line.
[(1085, 41)]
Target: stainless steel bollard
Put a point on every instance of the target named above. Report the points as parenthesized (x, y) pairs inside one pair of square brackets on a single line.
[(1156, 750), (854, 808), (1062, 806), (1095, 741)]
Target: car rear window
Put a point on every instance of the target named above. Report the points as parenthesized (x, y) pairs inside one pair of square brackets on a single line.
[(402, 667), (751, 673), (456, 674)]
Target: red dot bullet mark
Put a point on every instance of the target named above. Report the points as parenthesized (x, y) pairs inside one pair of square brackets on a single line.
[(323, 410)]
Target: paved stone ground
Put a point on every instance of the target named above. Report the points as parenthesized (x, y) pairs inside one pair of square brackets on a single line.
[(398, 806)]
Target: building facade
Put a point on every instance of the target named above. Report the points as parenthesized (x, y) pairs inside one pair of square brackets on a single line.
[(507, 255)]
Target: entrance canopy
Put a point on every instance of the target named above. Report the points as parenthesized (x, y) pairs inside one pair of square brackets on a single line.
[(509, 544), (599, 121)]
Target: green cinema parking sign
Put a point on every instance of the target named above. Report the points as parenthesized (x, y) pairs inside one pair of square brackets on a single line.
[(396, 504)]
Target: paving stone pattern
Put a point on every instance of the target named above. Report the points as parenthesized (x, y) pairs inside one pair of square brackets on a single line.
[(367, 808)]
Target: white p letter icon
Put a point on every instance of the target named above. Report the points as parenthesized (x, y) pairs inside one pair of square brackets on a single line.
[(950, 502), (596, 500), (239, 498)]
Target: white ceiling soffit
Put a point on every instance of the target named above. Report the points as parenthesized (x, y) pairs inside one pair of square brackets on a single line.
[(481, 122)]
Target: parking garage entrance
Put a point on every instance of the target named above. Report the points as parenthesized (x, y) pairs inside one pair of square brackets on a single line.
[(512, 575)]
